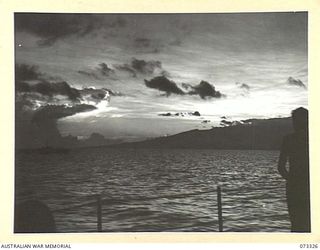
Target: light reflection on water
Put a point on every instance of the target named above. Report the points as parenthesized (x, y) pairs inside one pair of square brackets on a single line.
[(252, 192)]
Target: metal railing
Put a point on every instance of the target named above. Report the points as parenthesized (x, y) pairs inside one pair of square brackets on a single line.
[(98, 201)]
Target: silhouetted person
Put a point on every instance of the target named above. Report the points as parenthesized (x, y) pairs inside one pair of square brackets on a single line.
[(33, 216), (295, 150)]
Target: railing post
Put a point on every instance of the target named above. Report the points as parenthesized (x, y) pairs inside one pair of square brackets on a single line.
[(219, 209), (99, 213)]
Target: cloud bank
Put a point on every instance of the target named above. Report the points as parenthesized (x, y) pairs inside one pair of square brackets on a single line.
[(55, 112), (100, 72), (203, 89), (137, 67), (142, 67), (53, 27), (40, 103), (164, 84), (50, 89), (33, 91)]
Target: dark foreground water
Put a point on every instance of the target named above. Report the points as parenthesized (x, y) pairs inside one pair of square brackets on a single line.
[(157, 190)]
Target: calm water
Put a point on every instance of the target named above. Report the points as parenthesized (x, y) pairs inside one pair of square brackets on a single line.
[(157, 190)]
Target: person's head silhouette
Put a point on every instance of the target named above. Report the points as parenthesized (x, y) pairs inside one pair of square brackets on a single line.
[(300, 119)]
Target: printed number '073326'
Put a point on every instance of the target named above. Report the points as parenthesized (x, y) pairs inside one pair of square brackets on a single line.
[(309, 246)]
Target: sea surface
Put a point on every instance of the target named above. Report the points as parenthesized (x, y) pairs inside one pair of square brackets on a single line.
[(156, 190)]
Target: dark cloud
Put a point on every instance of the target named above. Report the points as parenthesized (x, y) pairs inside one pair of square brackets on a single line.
[(28, 78), (186, 86), (204, 90), (31, 73), (39, 103), (145, 67), (25, 72), (183, 114), (101, 72), (104, 69), (28, 102), (37, 114), (55, 112), (97, 95), (126, 68), (49, 89), (39, 128), (142, 67), (21, 86), (295, 82), (164, 84), (92, 94), (33, 92), (243, 86), (50, 27), (135, 68)]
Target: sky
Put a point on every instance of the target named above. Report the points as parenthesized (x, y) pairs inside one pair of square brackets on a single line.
[(138, 76)]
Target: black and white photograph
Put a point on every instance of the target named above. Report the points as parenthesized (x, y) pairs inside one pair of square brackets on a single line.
[(161, 122)]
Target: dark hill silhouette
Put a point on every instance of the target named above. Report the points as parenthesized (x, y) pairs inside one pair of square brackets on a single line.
[(264, 134)]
